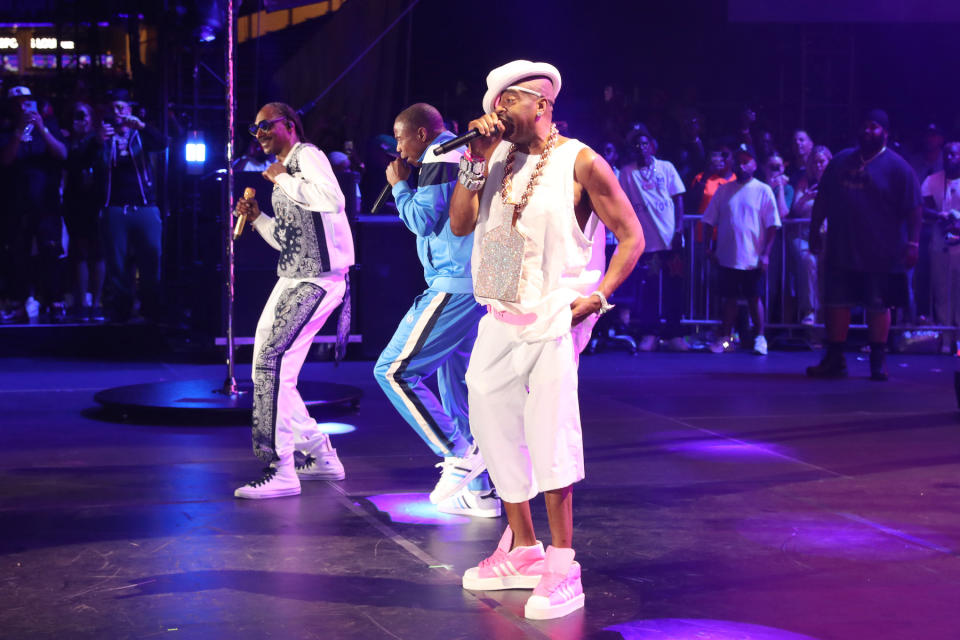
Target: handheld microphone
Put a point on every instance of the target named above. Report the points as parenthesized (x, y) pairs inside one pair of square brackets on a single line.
[(459, 141), (248, 194), (381, 198)]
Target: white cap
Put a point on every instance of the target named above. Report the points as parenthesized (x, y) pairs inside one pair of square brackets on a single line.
[(513, 72), (17, 92)]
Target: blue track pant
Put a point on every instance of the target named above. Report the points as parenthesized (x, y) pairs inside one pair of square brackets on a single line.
[(436, 335)]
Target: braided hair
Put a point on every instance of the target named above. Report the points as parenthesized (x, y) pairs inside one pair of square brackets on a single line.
[(290, 114)]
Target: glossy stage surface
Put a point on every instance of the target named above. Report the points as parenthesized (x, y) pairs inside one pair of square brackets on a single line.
[(727, 497)]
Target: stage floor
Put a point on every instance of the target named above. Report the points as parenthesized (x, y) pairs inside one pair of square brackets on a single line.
[(726, 497)]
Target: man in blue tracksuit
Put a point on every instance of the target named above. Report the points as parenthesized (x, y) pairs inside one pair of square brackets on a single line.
[(438, 332)]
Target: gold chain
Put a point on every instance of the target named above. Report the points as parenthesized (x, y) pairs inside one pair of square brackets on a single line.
[(506, 185)]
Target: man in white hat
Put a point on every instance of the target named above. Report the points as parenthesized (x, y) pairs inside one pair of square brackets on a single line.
[(534, 199)]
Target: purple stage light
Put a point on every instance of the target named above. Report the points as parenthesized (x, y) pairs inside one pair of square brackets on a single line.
[(841, 535), (697, 629), (206, 33), (732, 449), (413, 508)]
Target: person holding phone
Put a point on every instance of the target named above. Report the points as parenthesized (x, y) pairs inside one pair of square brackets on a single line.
[(31, 156), (130, 220)]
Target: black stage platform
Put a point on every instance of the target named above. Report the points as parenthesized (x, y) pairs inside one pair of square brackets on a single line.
[(727, 497), (206, 396)]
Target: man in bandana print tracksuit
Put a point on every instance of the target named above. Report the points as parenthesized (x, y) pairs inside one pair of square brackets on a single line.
[(312, 234)]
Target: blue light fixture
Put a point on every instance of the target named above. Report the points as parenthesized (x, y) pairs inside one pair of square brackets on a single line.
[(195, 153)]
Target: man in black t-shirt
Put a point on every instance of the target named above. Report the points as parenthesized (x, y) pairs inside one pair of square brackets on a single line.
[(130, 220), (870, 198)]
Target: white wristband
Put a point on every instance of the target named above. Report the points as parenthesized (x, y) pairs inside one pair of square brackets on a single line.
[(604, 305)]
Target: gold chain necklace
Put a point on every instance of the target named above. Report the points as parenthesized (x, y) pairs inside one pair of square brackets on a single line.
[(865, 162), (506, 186)]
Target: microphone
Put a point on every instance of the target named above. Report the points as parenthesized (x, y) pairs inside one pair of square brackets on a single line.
[(381, 198), (459, 141), (248, 194), (386, 188)]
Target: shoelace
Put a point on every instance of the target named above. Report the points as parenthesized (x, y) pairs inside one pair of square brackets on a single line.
[(309, 460), (453, 461), (497, 558), (447, 462), (268, 474), (550, 582)]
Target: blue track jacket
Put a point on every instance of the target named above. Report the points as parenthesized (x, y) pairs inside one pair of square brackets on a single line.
[(426, 212)]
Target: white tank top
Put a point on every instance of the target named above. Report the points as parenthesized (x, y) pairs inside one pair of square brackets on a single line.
[(556, 261)]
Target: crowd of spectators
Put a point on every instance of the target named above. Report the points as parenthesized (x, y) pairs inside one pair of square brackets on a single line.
[(84, 229), (749, 197)]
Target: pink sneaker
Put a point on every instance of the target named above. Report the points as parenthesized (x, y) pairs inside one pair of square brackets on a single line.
[(560, 592), (506, 569)]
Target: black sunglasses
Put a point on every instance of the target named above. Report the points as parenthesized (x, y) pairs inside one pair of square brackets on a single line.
[(79, 115), (263, 125)]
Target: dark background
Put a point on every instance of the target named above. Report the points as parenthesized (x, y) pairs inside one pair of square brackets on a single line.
[(658, 56)]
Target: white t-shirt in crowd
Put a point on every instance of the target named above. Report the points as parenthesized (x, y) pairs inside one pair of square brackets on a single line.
[(945, 193), (741, 214), (651, 192)]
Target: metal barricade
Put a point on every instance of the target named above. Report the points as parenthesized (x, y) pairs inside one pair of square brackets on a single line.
[(780, 309)]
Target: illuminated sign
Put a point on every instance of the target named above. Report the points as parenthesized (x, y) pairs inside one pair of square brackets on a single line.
[(7, 42)]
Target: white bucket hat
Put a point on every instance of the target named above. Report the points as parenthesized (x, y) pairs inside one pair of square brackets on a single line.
[(504, 76)]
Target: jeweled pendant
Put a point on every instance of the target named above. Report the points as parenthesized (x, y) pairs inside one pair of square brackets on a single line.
[(501, 263)]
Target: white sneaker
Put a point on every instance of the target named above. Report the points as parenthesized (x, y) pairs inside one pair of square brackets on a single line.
[(319, 465), (275, 483), (809, 319), (480, 504), (760, 346), (456, 473)]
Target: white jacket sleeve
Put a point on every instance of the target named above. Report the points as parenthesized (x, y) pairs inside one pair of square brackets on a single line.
[(315, 188), (264, 225)]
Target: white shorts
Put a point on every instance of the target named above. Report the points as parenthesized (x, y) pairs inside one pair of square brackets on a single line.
[(524, 410)]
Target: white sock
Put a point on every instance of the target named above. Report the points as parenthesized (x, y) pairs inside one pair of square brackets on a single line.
[(324, 444)]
